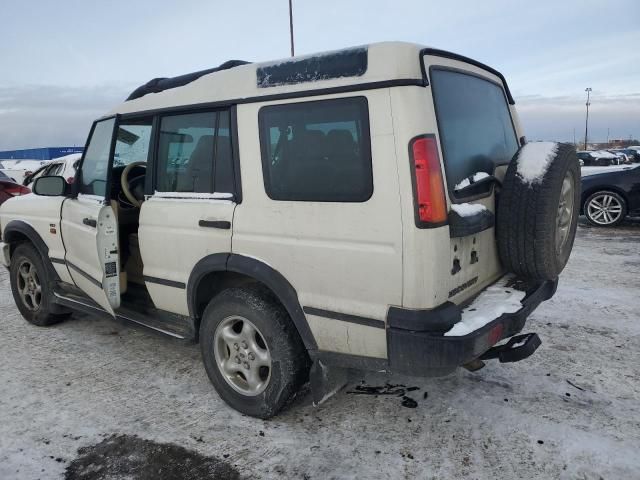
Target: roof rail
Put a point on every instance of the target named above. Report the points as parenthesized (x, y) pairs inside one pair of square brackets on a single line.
[(163, 83)]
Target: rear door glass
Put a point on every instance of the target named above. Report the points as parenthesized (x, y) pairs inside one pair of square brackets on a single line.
[(476, 131)]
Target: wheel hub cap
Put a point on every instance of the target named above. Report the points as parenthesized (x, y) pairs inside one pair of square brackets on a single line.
[(604, 209), (242, 355), (565, 210), (29, 287)]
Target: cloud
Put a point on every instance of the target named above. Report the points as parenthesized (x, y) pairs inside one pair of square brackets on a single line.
[(41, 116)]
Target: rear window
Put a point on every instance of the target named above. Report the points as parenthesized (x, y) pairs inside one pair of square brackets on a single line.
[(475, 127), (317, 151)]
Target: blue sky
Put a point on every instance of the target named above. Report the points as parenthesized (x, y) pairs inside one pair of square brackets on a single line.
[(67, 62)]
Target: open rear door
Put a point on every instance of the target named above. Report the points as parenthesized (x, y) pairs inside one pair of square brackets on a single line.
[(89, 225)]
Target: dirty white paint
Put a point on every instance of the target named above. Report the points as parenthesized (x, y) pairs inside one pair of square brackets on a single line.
[(70, 385)]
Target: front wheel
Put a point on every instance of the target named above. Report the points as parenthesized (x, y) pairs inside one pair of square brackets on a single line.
[(252, 352), (31, 287), (605, 209)]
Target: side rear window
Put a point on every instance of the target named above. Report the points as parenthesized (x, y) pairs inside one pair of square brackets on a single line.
[(474, 122), (317, 151), (194, 153)]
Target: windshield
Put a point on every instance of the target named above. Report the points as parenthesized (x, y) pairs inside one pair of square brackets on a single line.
[(475, 128)]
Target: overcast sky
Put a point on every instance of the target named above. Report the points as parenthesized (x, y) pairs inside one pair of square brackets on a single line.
[(64, 63)]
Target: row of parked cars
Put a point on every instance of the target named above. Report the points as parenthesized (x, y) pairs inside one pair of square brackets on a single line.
[(604, 158), (17, 176)]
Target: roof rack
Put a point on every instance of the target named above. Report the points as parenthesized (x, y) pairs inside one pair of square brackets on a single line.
[(163, 83)]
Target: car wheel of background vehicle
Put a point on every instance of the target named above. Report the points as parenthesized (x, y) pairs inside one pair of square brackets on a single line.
[(537, 219), (252, 352), (605, 209), (30, 285)]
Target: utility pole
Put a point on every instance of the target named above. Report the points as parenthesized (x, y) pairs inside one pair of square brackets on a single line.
[(291, 27), (586, 123), (607, 137), (574, 137)]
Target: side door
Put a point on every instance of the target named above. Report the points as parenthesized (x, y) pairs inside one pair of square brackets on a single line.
[(189, 212), (89, 226)]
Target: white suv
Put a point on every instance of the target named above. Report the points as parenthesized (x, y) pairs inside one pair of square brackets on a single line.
[(369, 208)]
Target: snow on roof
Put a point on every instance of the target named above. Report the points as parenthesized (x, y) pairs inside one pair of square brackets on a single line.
[(533, 160), (385, 61), (603, 154)]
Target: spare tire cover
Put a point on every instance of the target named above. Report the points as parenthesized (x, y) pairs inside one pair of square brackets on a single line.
[(538, 208)]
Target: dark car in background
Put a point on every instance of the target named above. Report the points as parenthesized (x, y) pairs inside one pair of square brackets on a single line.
[(632, 155), (608, 197), (598, 158), (9, 188)]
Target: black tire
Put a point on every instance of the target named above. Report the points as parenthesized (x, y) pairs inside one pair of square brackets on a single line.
[(45, 313), (289, 360), (528, 215), (603, 220)]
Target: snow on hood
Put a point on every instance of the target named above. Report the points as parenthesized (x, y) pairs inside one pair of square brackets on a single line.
[(467, 209), (534, 159), (489, 305)]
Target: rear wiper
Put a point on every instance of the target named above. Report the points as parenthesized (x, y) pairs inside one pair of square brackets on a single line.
[(474, 183)]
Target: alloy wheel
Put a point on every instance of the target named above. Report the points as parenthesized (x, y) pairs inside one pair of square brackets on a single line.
[(29, 286), (565, 210), (604, 209), (242, 355)]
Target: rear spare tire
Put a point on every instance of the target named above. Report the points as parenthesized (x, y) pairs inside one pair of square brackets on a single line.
[(538, 210)]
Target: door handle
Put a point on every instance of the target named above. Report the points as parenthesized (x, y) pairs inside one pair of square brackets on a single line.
[(222, 224), (90, 221)]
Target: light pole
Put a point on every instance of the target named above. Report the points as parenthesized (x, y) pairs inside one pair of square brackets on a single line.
[(586, 123), (291, 27)]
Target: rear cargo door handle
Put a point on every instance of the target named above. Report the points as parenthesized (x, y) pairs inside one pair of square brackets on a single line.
[(90, 221), (222, 224)]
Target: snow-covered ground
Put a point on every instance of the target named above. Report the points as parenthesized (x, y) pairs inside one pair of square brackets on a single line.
[(570, 411)]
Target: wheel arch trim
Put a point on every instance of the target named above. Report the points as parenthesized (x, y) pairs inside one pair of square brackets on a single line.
[(20, 227), (261, 272)]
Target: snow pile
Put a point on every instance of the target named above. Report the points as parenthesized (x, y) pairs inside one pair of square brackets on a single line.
[(471, 179), (467, 209), (534, 159), (489, 305)]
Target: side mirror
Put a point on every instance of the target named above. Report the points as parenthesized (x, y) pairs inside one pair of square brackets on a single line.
[(50, 186)]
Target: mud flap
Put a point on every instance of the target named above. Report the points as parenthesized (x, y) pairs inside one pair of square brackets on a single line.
[(326, 381)]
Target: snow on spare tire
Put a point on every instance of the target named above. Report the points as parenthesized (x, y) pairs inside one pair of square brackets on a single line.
[(538, 210)]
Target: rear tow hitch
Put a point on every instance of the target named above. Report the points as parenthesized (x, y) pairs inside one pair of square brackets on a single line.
[(516, 349)]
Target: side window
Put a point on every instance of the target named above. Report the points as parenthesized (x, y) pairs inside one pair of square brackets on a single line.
[(317, 151), (132, 142), (194, 153), (95, 165)]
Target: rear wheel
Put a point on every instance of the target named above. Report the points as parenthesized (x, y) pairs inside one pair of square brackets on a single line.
[(31, 287), (252, 352), (605, 209)]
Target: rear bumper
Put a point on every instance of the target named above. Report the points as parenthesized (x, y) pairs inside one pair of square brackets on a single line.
[(425, 353)]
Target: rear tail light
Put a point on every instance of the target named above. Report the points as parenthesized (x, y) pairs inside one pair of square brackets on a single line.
[(16, 190), (429, 198)]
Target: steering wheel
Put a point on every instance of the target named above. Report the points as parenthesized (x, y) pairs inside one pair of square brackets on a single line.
[(128, 185)]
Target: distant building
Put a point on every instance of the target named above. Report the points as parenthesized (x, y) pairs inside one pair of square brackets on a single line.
[(45, 153)]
